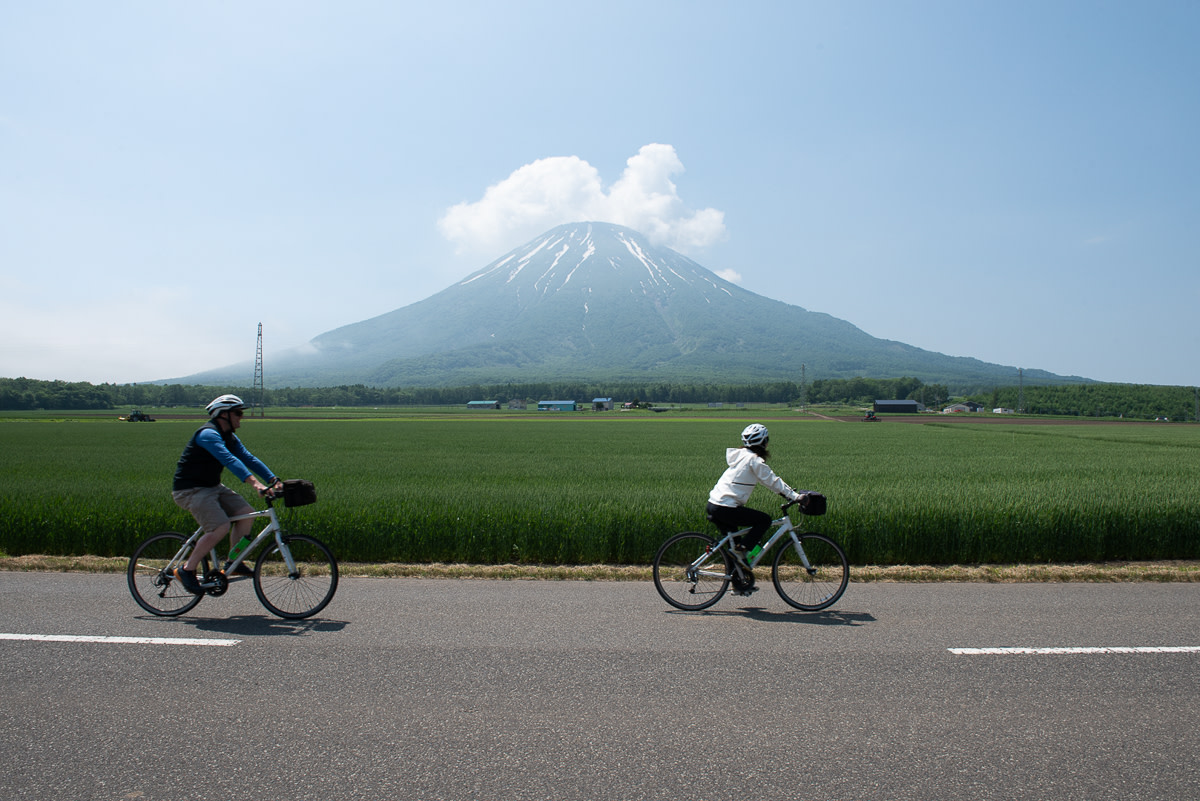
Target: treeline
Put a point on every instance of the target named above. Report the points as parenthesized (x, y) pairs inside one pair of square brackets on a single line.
[(29, 394), (1134, 401)]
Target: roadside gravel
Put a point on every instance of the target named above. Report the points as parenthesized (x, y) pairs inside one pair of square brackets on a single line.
[(1165, 571)]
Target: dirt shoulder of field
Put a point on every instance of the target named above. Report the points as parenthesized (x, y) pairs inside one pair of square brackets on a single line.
[(1004, 419), (1166, 571)]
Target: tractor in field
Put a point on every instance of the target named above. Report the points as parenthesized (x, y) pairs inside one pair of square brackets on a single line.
[(870, 417), (137, 416)]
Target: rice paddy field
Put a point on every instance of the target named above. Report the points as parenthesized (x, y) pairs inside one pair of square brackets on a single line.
[(581, 489)]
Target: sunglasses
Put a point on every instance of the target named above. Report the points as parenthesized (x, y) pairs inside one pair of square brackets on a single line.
[(237, 412)]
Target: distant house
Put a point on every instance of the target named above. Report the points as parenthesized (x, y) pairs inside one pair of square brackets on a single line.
[(899, 406), (602, 404), (516, 403), (556, 406), (483, 404), (1002, 411), (969, 406)]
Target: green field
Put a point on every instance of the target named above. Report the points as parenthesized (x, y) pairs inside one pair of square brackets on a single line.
[(608, 488)]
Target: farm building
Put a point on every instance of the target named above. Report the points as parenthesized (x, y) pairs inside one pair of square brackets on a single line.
[(969, 406), (483, 404), (602, 404), (899, 406), (516, 403), (556, 406)]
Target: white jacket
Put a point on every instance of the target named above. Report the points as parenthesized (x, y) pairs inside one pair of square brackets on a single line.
[(746, 471)]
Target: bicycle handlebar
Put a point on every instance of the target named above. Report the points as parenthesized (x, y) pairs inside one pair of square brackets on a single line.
[(817, 497), (272, 492)]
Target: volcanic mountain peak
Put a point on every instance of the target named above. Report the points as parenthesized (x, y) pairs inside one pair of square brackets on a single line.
[(598, 302), (594, 257)]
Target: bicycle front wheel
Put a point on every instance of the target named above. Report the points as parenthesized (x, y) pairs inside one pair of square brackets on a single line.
[(817, 586), (151, 578), (300, 593), (690, 572)]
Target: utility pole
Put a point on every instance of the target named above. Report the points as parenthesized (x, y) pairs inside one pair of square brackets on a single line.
[(258, 376), (803, 390), (1021, 390)]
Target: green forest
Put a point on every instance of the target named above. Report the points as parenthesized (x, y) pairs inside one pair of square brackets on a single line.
[(1129, 401)]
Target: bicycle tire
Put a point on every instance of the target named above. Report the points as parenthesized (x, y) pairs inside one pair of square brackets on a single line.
[(156, 590), (682, 586), (820, 588), (308, 590)]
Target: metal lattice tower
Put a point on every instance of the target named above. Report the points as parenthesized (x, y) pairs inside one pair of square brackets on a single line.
[(258, 376)]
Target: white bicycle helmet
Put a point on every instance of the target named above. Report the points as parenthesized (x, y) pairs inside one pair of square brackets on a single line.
[(754, 434), (223, 403)]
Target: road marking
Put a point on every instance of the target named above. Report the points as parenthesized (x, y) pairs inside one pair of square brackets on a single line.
[(118, 640), (1105, 649)]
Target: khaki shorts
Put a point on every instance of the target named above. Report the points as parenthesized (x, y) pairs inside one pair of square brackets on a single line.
[(212, 506)]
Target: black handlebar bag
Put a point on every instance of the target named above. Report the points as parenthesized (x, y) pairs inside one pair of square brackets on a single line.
[(812, 504), (298, 492)]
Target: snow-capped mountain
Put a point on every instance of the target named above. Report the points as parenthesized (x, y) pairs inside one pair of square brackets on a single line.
[(596, 301)]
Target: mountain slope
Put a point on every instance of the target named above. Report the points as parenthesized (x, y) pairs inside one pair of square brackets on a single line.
[(596, 301)]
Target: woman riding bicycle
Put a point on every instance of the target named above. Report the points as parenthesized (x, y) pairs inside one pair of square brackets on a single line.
[(197, 486), (747, 469)]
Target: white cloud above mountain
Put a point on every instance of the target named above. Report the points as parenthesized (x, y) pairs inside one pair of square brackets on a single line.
[(564, 189)]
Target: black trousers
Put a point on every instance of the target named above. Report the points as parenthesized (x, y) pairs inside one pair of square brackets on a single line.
[(732, 518)]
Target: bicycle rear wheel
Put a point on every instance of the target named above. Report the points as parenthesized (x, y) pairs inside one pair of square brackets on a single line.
[(299, 594), (151, 580), (686, 586), (817, 587)]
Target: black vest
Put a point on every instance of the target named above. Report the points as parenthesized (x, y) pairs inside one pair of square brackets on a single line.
[(197, 467)]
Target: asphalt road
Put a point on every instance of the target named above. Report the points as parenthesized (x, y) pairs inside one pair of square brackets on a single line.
[(448, 689)]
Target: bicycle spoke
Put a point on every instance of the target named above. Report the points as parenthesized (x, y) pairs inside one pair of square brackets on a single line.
[(686, 580), (151, 581), (302, 592), (819, 584)]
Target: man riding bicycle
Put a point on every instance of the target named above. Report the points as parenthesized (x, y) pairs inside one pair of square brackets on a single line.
[(197, 486)]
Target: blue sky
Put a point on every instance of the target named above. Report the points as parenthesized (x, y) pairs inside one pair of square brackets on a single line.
[(1018, 182)]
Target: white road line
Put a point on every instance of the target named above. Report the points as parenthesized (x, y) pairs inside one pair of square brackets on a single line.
[(117, 640), (1105, 649)]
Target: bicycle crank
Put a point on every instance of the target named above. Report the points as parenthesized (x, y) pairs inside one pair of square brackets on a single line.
[(215, 583)]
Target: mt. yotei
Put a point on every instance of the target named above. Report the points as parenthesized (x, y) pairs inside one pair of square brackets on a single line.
[(597, 302)]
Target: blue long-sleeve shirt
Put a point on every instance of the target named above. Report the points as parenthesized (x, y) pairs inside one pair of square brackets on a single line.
[(209, 452)]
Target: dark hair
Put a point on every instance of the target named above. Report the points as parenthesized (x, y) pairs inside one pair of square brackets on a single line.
[(760, 450)]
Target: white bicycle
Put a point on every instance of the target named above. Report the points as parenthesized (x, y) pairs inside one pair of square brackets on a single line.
[(693, 571), (295, 576)]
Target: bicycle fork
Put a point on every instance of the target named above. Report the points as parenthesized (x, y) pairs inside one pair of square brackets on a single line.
[(808, 568)]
